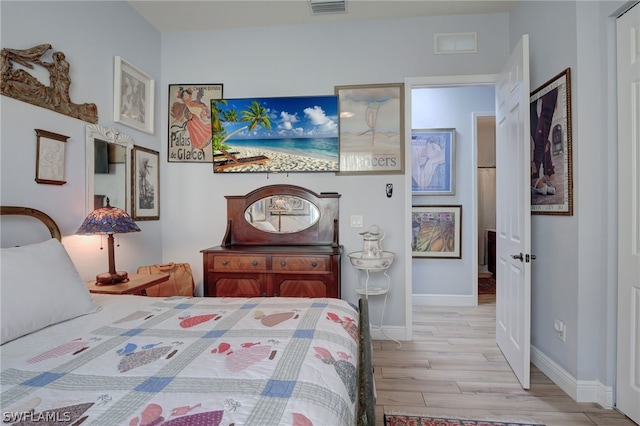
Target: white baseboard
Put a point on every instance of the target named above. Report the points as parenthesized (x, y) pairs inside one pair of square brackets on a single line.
[(579, 390), (388, 333), (444, 300)]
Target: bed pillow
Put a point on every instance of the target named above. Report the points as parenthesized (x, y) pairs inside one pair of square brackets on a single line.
[(39, 287)]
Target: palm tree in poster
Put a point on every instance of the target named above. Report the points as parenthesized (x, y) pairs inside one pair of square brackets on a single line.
[(145, 196), (255, 115)]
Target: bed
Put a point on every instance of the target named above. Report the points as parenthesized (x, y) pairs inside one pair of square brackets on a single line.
[(70, 357)]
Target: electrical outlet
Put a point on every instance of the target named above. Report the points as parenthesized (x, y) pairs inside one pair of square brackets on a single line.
[(561, 329)]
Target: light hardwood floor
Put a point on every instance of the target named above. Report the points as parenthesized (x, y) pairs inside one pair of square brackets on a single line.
[(454, 367)]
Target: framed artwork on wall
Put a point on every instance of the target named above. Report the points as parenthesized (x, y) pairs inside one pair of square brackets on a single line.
[(133, 96), (371, 128), (145, 185), (433, 161), (551, 140), (190, 122), (275, 135), (50, 157), (436, 231)]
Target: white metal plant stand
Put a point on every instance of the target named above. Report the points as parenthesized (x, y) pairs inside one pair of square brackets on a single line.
[(369, 266)]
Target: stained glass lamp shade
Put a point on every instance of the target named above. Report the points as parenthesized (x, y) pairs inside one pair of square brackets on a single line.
[(109, 220)]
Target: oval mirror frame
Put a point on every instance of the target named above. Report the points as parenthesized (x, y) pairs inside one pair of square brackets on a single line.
[(109, 135), (282, 214)]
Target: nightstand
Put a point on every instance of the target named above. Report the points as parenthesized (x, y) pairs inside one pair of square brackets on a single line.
[(137, 284)]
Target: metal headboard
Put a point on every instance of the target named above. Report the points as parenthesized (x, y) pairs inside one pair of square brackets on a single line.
[(41, 216)]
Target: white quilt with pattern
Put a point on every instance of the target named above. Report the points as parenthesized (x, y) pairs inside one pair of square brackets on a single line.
[(187, 361)]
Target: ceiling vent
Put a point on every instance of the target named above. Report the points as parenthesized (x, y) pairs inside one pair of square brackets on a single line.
[(327, 6)]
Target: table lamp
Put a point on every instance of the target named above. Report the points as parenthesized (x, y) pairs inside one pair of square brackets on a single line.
[(109, 220)]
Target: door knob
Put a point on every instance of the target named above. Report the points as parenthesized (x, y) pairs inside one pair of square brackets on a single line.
[(518, 256)]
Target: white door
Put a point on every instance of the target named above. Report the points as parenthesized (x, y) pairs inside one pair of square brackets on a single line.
[(513, 213), (628, 362)]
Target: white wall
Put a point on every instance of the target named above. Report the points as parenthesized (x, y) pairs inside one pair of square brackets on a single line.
[(90, 34), (310, 60), (574, 278)]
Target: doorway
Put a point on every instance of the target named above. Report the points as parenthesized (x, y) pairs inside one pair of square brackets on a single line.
[(485, 136)]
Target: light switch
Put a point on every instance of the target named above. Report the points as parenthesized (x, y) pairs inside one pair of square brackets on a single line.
[(356, 221)]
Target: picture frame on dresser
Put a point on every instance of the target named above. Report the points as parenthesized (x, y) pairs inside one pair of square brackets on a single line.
[(50, 157), (133, 96), (145, 184)]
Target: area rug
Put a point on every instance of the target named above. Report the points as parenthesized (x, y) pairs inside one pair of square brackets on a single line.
[(407, 420), (486, 286)]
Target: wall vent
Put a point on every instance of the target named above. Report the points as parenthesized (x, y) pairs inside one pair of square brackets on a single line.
[(455, 43), (328, 6)]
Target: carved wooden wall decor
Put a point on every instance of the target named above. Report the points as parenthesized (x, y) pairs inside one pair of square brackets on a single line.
[(19, 84)]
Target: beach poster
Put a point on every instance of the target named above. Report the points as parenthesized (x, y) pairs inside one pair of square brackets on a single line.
[(275, 135)]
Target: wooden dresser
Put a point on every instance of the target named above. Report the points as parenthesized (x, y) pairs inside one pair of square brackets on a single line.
[(281, 240)]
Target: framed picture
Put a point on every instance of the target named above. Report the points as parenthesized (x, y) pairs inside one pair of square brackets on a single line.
[(436, 231), (551, 163), (190, 122), (275, 135), (50, 156), (133, 94), (145, 185), (371, 128), (433, 161)]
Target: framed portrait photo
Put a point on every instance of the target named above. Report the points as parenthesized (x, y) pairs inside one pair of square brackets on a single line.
[(436, 231), (371, 119), (190, 122), (50, 157), (433, 161), (551, 141), (133, 96), (145, 184)]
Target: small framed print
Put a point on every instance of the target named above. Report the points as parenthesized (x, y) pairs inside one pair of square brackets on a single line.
[(145, 185), (50, 156), (433, 158), (190, 122), (133, 96), (436, 231)]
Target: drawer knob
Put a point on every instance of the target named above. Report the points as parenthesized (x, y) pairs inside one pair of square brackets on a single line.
[(283, 263), (225, 262), (314, 264), (254, 263)]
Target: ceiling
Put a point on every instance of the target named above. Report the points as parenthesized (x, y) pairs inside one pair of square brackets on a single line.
[(189, 15)]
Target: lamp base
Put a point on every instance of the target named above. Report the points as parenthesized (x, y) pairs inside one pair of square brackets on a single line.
[(110, 279)]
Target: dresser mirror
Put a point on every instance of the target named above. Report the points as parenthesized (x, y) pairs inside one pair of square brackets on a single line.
[(108, 168), (282, 214)]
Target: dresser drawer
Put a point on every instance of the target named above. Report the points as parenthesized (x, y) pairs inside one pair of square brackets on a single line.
[(239, 263), (300, 263)]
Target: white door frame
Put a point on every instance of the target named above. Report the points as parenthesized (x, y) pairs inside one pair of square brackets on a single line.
[(422, 82)]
